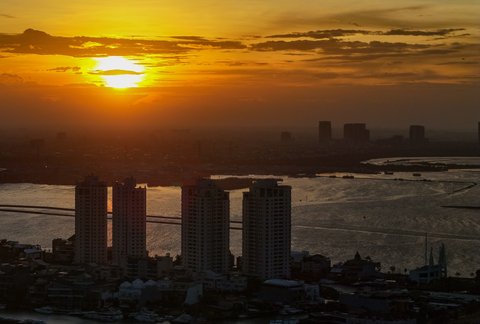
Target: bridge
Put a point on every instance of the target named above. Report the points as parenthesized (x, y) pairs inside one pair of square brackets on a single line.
[(33, 210), (171, 220)]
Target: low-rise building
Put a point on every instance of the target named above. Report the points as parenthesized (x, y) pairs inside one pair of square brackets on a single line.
[(149, 268), (377, 302), (14, 282), (139, 292), (288, 292), (63, 250), (315, 266), (425, 274), (231, 282), (356, 269)]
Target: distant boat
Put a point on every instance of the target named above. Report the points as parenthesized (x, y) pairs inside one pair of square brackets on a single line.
[(287, 310), (388, 172), (104, 316), (44, 310), (417, 174), (284, 321), (348, 177)]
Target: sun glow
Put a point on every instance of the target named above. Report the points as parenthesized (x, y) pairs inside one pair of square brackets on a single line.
[(119, 72)]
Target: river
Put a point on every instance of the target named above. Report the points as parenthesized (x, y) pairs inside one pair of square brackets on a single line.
[(376, 215)]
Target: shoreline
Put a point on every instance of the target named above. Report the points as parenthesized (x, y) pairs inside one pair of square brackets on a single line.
[(235, 177)]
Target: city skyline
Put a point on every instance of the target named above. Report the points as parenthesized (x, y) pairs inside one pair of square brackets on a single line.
[(250, 161), (254, 64)]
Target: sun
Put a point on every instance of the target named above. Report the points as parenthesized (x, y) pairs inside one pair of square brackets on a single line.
[(119, 72)]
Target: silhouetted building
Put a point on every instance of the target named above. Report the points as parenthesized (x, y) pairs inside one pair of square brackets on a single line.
[(149, 268), (478, 132), (356, 269), (324, 131), (63, 250), (91, 221), (356, 132), (315, 266), (266, 230), (205, 227), (431, 271), (14, 283), (286, 137), (129, 227), (417, 134)]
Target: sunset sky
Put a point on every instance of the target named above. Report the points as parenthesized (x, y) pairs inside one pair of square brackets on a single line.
[(239, 63)]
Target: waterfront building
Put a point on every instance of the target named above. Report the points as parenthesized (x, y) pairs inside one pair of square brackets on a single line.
[(356, 132), (129, 215), (324, 131), (63, 250), (91, 221), (149, 267), (395, 304), (417, 134), (356, 269), (315, 266), (205, 227), (266, 230), (231, 282), (288, 292), (431, 271)]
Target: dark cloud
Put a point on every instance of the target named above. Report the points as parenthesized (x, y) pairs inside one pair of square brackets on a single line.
[(297, 45), (2, 15), (322, 34), (65, 69), (337, 33), (461, 62), (8, 79), (334, 46), (407, 32), (38, 42)]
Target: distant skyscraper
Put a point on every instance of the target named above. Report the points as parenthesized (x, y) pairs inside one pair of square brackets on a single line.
[(205, 227), (324, 131), (478, 132), (356, 132), (417, 134), (91, 221), (129, 212), (266, 230), (286, 137)]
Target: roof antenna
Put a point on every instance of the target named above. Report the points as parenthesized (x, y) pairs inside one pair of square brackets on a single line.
[(426, 247)]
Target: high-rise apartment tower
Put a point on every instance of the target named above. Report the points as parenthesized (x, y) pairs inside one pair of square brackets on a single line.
[(266, 230), (129, 230), (324, 131), (205, 227), (417, 134), (91, 221)]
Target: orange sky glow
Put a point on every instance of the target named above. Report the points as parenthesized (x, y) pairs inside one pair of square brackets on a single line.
[(222, 62)]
